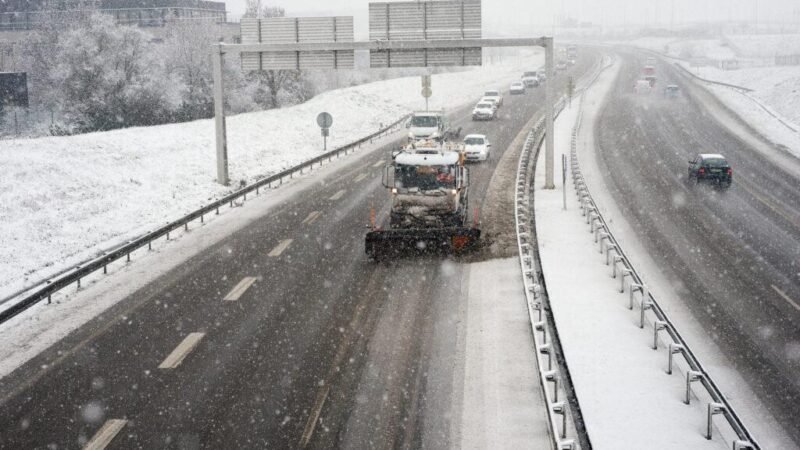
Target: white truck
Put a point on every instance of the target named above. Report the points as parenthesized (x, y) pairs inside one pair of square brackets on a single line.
[(430, 125)]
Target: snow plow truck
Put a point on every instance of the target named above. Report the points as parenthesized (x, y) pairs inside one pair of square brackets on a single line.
[(428, 185)]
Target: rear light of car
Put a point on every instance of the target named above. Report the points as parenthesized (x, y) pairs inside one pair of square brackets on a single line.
[(701, 170), (730, 171)]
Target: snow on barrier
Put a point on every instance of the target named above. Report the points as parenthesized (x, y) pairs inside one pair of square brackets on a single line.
[(649, 308), (542, 324), (23, 300)]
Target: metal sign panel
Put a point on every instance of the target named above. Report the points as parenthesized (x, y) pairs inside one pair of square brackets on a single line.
[(13, 89), (301, 30), (425, 20)]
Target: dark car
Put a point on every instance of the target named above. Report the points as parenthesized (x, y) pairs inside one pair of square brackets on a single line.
[(710, 168)]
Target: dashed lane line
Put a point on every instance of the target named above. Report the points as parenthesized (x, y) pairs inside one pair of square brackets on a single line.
[(338, 195), (182, 351), (312, 217), (105, 434), (240, 289), (378, 164), (786, 297), (281, 247), (360, 178), (314, 418)]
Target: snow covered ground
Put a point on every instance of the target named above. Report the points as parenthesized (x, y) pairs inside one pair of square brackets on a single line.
[(65, 199), (618, 377)]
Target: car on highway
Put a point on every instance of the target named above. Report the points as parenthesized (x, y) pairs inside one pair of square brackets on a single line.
[(492, 101), (484, 110), (642, 87), (531, 79), (672, 91), (542, 75), (651, 61), (651, 79), (495, 95), (561, 65), (517, 88), (477, 147), (710, 168)]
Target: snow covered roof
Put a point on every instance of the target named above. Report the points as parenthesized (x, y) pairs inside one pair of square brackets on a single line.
[(711, 156), (479, 136)]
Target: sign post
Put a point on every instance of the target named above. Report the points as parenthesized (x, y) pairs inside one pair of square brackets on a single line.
[(426, 89), (325, 120)]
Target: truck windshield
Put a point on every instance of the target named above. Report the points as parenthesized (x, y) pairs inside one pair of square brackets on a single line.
[(424, 121), (425, 178)]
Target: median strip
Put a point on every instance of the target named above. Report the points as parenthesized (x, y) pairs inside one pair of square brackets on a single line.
[(280, 248), (181, 351), (239, 289), (105, 434)]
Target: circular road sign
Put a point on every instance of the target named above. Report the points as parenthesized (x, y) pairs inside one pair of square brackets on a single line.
[(427, 92), (324, 120)]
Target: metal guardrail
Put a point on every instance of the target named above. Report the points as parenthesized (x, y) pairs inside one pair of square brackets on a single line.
[(622, 266), (706, 80), (46, 289)]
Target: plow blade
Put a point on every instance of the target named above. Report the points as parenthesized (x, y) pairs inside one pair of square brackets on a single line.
[(381, 244)]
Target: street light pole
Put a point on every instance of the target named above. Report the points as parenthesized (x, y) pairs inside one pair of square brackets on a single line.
[(549, 114)]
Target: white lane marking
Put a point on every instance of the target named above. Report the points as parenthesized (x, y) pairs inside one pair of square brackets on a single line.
[(312, 217), (105, 434), (360, 178), (786, 297), (338, 195), (281, 247), (239, 289), (181, 351), (314, 418), (378, 164)]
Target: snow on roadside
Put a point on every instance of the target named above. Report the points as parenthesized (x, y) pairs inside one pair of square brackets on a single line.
[(65, 199)]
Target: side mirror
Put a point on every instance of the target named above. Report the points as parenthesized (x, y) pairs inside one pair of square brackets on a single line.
[(691, 162), (488, 145), (408, 124)]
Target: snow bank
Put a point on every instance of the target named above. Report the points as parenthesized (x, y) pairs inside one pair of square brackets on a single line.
[(64, 199)]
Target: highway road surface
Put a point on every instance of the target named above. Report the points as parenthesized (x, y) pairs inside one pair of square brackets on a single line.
[(283, 335), (733, 255)]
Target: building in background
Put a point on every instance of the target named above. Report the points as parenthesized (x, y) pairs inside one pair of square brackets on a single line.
[(23, 15)]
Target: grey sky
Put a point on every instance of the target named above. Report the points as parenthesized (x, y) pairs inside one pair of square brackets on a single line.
[(518, 17)]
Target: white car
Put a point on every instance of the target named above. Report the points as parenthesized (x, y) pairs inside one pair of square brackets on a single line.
[(531, 79), (642, 87), (492, 100), (477, 147), (517, 88), (484, 111), (542, 75), (494, 94)]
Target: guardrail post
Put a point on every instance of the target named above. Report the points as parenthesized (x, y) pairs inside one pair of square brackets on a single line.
[(568, 444), (560, 409), (79, 284), (128, 258), (644, 306), (674, 348), (624, 273), (552, 376), (742, 445), (691, 377), (609, 248), (658, 325), (545, 350), (714, 409), (617, 259), (539, 326), (202, 218), (186, 226)]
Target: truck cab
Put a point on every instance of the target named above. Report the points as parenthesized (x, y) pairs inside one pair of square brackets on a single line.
[(428, 189)]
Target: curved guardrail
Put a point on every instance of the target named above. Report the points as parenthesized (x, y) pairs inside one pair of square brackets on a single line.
[(622, 266), (44, 290)]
